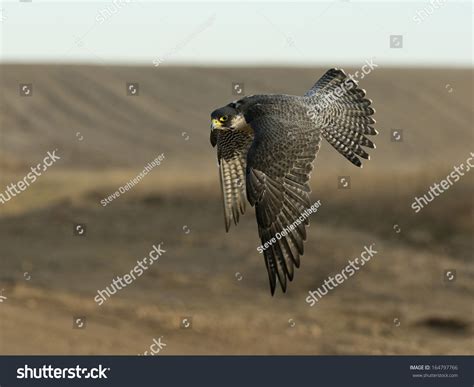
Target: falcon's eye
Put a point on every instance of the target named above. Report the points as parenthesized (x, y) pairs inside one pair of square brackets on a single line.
[(223, 118)]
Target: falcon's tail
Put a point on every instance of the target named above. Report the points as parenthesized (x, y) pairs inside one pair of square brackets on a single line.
[(343, 114)]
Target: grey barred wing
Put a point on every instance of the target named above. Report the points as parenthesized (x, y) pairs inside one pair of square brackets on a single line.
[(279, 164), (232, 148)]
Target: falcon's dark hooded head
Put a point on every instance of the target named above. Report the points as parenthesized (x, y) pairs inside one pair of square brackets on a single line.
[(226, 118)]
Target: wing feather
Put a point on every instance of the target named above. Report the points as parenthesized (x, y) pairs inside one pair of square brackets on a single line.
[(232, 148), (278, 174)]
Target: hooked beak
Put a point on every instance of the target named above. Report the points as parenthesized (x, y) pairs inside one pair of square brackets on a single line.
[(216, 124)]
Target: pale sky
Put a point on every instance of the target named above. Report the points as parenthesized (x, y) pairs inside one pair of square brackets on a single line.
[(436, 32)]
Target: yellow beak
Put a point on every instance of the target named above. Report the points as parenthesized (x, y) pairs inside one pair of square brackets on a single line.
[(216, 124)]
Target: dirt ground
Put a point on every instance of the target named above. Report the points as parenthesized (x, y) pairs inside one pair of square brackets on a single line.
[(401, 302)]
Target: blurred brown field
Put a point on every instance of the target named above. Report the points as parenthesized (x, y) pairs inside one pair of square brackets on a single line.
[(400, 303)]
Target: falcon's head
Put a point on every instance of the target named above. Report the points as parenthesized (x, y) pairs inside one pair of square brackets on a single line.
[(228, 117)]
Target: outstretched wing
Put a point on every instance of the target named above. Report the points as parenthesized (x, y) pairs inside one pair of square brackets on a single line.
[(340, 108), (279, 166), (232, 148)]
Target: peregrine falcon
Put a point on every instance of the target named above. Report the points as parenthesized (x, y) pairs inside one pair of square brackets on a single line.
[(266, 145)]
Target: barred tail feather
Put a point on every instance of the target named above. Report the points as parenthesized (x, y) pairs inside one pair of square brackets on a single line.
[(344, 114)]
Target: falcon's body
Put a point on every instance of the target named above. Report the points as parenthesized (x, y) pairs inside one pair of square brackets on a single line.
[(266, 145)]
